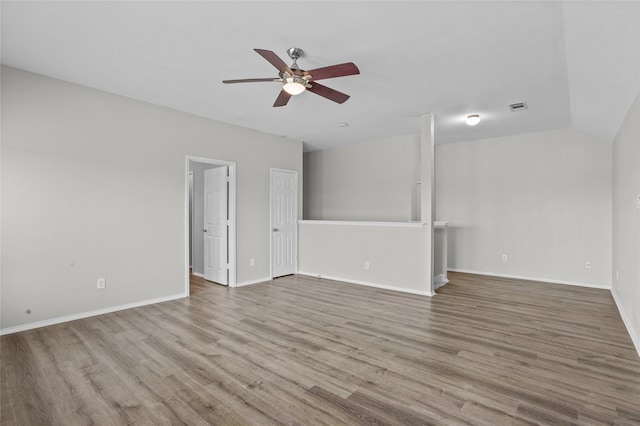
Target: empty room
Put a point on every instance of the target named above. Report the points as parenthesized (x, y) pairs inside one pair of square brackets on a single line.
[(304, 212)]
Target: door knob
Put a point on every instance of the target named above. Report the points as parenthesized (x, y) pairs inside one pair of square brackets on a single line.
[(275, 229)]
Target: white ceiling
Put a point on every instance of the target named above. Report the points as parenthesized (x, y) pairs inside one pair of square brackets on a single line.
[(574, 63)]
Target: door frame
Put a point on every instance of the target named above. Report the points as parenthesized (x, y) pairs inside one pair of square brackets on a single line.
[(231, 243), (295, 237), (191, 214)]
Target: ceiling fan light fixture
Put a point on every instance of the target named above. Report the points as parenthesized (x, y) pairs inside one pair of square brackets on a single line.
[(473, 119), (294, 85)]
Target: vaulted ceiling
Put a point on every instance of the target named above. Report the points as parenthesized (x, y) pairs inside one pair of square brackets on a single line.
[(575, 64)]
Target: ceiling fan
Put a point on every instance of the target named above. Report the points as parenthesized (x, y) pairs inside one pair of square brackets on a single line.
[(295, 80)]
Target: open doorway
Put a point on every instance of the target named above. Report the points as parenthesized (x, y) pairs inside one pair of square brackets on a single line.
[(210, 220)]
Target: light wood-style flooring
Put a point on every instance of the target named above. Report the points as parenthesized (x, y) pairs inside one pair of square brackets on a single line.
[(306, 351)]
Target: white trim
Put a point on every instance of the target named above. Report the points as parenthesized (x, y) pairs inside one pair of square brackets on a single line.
[(520, 277), (295, 237), (232, 216), (368, 284), (197, 274), (191, 221), (357, 223), (81, 315), (439, 281), (626, 319), (187, 220), (232, 226), (251, 282), (428, 188)]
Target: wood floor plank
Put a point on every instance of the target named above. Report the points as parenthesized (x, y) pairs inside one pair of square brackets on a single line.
[(302, 350)]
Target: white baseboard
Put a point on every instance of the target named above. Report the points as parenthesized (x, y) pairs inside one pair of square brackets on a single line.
[(251, 282), (197, 274), (382, 286), (439, 281), (520, 277), (635, 337), (73, 317)]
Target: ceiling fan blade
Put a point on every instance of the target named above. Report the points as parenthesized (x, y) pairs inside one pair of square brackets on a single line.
[(328, 93), (282, 99), (340, 70), (274, 60), (250, 80)]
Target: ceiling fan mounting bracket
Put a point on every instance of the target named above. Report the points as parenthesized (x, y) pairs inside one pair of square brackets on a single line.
[(295, 52)]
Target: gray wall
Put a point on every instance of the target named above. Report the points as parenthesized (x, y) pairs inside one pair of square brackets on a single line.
[(396, 254), (373, 181), (544, 199), (93, 185), (626, 220)]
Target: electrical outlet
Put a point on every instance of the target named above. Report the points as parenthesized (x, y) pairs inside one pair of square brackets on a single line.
[(505, 258), (617, 275), (587, 264), (102, 283), (253, 262), (366, 265)]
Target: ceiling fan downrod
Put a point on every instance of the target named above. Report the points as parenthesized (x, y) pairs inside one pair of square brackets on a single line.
[(295, 53)]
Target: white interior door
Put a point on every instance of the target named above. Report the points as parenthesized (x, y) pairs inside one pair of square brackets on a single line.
[(216, 225), (284, 222)]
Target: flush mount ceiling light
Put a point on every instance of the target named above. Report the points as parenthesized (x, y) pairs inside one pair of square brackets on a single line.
[(473, 119), (294, 85)]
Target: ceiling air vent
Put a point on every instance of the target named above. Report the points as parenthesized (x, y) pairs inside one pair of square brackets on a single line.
[(519, 106)]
